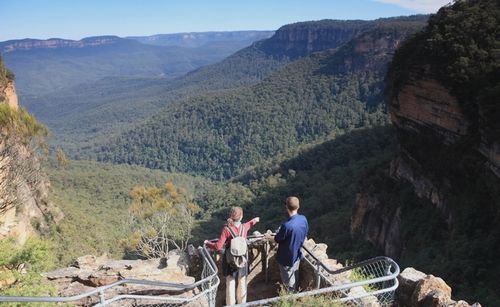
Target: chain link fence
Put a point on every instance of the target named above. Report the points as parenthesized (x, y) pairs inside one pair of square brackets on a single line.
[(369, 283)]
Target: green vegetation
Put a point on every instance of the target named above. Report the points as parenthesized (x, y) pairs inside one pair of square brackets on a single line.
[(5, 73), (20, 269), (19, 123), (460, 47), (326, 178), (220, 135), (95, 196), (84, 118), (95, 200)]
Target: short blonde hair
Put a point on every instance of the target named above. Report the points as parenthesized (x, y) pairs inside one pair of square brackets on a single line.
[(292, 203)]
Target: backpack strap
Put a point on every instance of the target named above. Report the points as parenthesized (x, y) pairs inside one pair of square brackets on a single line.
[(231, 231), (233, 234)]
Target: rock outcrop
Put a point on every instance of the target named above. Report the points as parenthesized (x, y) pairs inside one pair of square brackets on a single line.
[(379, 224), (90, 272), (300, 39), (24, 206), (446, 122), (419, 289), (10, 95), (303, 38)]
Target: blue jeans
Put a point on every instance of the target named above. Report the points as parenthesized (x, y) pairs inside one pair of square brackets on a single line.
[(290, 276)]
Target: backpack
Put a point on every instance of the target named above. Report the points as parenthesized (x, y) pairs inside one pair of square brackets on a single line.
[(236, 256)]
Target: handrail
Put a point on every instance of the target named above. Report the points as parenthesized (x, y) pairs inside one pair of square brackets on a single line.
[(392, 263), (177, 286), (388, 260)]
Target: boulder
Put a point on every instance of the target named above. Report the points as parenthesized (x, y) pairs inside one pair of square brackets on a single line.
[(431, 290), (178, 261), (436, 298), (408, 280)]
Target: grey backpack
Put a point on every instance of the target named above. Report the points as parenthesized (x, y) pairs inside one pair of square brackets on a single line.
[(236, 256)]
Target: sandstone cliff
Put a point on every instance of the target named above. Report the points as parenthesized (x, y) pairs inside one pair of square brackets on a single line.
[(303, 38), (439, 196), (24, 206)]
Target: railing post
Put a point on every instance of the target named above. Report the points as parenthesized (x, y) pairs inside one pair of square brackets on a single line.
[(266, 261), (102, 298), (318, 276)]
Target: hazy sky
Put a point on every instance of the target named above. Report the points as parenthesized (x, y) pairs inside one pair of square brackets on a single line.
[(75, 19)]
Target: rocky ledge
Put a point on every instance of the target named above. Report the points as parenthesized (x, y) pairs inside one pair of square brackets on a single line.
[(90, 272), (419, 289)]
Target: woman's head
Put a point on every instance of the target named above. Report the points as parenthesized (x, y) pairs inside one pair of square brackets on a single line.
[(235, 215)]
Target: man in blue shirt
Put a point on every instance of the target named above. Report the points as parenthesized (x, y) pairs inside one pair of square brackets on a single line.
[(290, 237)]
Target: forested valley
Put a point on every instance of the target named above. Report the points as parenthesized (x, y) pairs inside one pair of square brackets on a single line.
[(387, 131)]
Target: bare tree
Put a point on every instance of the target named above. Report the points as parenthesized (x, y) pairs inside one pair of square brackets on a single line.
[(159, 218)]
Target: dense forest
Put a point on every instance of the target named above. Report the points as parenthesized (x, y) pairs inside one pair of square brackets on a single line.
[(95, 196), (220, 134)]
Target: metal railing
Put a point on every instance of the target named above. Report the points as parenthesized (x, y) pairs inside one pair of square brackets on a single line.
[(201, 292), (368, 283)]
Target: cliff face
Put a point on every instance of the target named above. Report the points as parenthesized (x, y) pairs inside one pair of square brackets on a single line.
[(10, 95), (449, 149), (301, 39), (24, 206)]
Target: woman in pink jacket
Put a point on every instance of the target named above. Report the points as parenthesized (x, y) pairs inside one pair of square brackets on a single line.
[(233, 275)]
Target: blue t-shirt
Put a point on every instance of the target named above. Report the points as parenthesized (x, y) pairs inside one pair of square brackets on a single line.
[(290, 237)]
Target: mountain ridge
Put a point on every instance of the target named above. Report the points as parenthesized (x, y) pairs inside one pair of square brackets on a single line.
[(198, 39), (54, 43)]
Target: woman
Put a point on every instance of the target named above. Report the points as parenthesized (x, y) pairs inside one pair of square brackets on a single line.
[(233, 223)]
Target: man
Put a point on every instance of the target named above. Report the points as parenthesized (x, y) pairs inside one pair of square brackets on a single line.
[(290, 237)]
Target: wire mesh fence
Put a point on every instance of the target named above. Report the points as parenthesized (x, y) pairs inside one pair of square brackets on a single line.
[(369, 283)]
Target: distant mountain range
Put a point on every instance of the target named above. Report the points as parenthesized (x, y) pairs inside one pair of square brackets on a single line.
[(56, 43), (189, 40), (198, 39), (44, 66)]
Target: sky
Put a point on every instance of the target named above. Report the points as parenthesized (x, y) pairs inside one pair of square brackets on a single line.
[(75, 19)]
